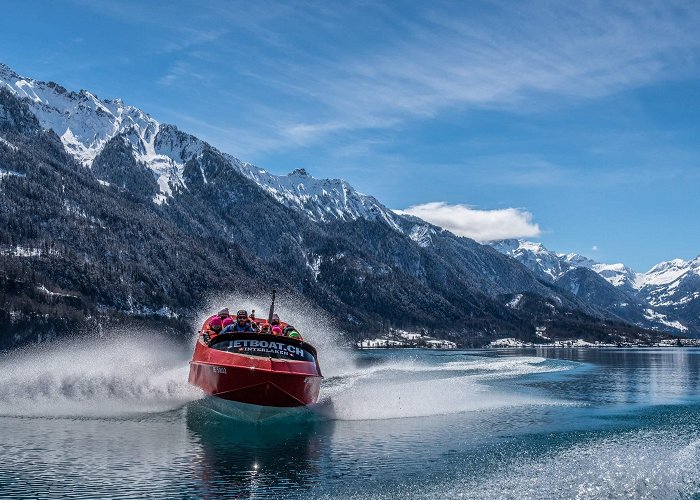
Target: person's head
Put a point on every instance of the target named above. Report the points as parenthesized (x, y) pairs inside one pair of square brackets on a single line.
[(227, 321), (275, 319), (276, 330), (223, 313), (242, 316), (293, 334), (216, 325)]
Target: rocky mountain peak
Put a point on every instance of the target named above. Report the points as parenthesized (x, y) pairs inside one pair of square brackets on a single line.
[(299, 172), (85, 124)]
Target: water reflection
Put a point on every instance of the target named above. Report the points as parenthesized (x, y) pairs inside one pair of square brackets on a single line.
[(91, 458), (613, 405), (623, 378), (240, 458)]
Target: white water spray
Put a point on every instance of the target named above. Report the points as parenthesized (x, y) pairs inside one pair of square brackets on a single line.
[(127, 373), (122, 374), (315, 325), (411, 388), (401, 388)]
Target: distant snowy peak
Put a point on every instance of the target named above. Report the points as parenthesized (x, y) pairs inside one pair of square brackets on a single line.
[(667, 294), (545, 264), (670, 289), (668, 272), (551, 266), (619, 275), (577, 260), (673, 284)]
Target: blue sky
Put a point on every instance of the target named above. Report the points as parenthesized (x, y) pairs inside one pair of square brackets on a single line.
[(572, 123)]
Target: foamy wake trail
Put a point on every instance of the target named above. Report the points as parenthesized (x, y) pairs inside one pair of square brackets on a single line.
[(642, 464), (639, 464), (405, 389), (95, 377)]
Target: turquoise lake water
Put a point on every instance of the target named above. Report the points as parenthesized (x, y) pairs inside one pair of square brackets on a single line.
[(121, 422)]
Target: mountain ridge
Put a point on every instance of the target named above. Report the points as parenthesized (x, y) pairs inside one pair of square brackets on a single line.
[(668, 293), (85, 123), (157, 219)]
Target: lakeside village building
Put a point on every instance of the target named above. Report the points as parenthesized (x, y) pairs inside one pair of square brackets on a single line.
[(400, 338), (511, 343)]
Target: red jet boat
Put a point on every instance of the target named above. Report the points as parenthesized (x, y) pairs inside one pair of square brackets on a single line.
[(256, 368)]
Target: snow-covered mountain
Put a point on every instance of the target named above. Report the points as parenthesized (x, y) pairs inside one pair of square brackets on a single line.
[(551, 265), (669, 292), (85, 124), (673, 283), (125, 215), (545, 264), (327, 240)]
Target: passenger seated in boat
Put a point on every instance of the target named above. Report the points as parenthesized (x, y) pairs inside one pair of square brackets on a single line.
[(214, 326), (292, 333), (241, 325), (222, 315), (275, 327)]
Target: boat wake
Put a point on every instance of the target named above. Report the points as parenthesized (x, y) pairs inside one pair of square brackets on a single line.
[(123, 375), (421, 388), (656, 464), (117, 376)]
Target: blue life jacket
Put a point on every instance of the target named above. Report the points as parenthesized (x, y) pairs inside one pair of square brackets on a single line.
[(236, 328)]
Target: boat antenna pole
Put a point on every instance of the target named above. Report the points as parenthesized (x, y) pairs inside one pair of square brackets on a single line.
[(272, 306)]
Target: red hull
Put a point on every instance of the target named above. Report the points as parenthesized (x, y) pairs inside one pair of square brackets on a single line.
[(255, 379)]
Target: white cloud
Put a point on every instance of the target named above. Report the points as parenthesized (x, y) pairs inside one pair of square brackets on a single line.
[(594, 248), (481, 225)]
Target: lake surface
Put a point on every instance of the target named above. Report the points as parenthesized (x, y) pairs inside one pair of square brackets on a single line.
[(120, 421)]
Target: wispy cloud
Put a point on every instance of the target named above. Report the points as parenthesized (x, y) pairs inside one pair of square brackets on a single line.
[(182, 70), (189, 37), (535, 171), (499, 58), (301, 132), (481, 225), (363, 67)]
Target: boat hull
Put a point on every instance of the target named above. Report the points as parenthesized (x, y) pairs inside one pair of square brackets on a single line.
[(255, 379), (245, 412)]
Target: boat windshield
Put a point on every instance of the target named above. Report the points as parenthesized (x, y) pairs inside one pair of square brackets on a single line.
[(268, 346)]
